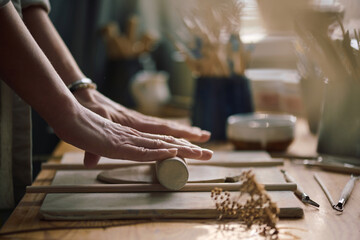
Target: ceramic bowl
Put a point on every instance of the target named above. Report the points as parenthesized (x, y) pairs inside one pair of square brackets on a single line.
[(271, 132)]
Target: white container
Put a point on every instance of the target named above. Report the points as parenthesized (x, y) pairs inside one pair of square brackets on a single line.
[(272, 132)]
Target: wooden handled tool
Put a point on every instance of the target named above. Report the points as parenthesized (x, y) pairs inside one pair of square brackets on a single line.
[(299, 192), (130, 188), (333, 167), (345, 194)]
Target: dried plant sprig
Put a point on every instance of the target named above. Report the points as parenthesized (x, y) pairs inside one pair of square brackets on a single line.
[(337, 59), (252, 206), (212, 38)]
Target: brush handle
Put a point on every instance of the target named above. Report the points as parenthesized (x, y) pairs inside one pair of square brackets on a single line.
[(299, 191)]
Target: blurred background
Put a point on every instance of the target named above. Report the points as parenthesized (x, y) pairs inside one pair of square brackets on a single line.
[(155, 77)]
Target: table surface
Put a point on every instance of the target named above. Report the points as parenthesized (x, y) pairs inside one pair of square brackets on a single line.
[(322, 223)]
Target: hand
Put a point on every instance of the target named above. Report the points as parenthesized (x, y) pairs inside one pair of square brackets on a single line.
[(101, 137), (105, 107)]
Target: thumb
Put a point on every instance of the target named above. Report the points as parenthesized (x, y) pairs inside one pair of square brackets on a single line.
[(90, 160)]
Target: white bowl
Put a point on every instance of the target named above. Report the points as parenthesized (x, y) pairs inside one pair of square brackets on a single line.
[(272, 132)]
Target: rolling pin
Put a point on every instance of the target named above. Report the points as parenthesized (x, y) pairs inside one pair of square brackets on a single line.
[(172, 173)]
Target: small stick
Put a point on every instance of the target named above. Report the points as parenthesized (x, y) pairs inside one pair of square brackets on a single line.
[(323, 187), (133, 188), (224, 163), (57, 166), (65, 166)]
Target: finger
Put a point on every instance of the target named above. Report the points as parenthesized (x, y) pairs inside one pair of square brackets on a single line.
[(176, 130), (142, 154), (90, 159), (169, 139), (183, 150), (205, 153)]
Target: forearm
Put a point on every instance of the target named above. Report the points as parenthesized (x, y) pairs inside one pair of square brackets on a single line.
[(42, 29), (25, 68), (40, 26)]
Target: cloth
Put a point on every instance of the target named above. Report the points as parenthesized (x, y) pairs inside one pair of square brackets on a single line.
[(15, 135)]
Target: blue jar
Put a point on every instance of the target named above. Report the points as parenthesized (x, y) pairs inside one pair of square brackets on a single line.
[(216, 98)]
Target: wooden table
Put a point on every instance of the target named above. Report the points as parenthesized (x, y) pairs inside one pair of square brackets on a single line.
[(322, 223)]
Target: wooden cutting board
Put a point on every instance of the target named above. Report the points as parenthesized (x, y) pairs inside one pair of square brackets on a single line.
[(96, 206)]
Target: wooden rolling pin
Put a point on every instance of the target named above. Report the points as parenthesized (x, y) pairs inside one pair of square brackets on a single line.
[(172, 173)]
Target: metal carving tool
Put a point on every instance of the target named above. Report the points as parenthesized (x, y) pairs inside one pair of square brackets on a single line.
[(333, 167), (345, 194), (299, 192)]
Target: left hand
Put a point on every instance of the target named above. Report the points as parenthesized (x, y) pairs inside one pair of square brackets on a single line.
[(98, 103)]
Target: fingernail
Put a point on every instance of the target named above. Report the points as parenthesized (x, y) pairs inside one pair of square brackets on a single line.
[(207, 154), (204, 132), (197, 151), (207, 150), (173, 151)]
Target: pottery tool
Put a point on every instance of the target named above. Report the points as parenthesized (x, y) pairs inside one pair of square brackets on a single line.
[(325, 190), (333, 167), (345, 194), (138, 188), (299, 192)]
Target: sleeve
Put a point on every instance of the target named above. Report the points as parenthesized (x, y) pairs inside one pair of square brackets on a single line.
[(3, 3), (41, 3)]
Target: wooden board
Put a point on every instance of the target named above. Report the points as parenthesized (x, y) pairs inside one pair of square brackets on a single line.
[(97, 206), (149, 205), (197, 174)]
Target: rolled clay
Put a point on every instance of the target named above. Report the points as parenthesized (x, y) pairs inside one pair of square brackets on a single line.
[(172, 173)]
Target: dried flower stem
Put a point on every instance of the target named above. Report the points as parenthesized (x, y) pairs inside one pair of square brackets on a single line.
[(258, 208)]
